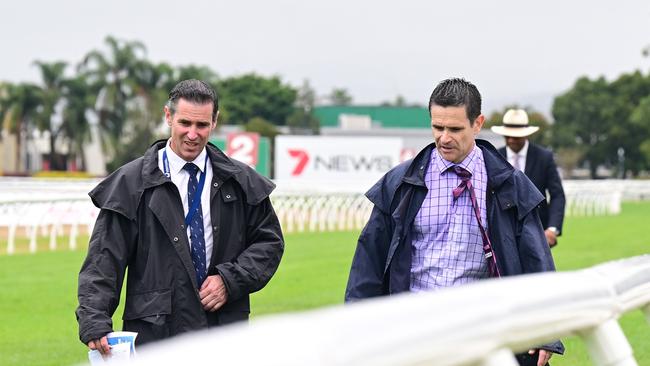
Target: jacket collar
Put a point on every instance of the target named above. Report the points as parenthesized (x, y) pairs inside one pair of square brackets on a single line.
[(496, 165), (511, 187), (498, 169), (222, 167)]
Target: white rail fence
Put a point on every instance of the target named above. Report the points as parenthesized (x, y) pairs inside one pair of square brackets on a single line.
[(322, 212), (47, 218), (480, 324), (36, 208)]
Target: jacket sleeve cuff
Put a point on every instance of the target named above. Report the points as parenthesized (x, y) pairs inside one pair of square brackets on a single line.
[(89, 335), (555, 347), (232, 289)]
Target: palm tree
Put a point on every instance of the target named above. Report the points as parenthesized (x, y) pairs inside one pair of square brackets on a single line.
[(145, 116), (49, 116), (19, 105), (151, 85), (112, 77), (79, 101)]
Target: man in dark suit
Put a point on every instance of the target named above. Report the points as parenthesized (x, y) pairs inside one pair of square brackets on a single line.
[(538, 164)]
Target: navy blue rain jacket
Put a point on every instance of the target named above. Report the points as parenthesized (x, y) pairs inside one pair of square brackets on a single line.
[(382, 261)]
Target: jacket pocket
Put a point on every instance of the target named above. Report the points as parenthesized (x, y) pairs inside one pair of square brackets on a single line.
[(146, 313), (146, 305)]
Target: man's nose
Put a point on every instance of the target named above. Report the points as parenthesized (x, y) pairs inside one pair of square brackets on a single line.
[(191, 133), (444, 135)]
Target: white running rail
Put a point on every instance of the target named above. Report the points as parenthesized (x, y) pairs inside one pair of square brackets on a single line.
[(51, 218), (61, 207), (479, 324)]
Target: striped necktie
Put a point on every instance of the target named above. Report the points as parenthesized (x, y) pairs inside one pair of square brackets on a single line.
[(197, 238)]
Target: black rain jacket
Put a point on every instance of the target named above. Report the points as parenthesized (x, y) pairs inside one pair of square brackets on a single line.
[(141, 227)]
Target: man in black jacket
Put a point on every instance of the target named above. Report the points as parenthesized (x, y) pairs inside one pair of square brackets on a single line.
[(195, 228), (454, 214), (538, 165)]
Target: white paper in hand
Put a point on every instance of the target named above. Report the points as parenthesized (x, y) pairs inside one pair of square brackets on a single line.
[(122, 346)]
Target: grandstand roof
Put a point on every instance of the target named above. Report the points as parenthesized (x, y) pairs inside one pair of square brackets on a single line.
[(387, 117)]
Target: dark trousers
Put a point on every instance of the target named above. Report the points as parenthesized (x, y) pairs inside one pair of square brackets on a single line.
[(525, 359)]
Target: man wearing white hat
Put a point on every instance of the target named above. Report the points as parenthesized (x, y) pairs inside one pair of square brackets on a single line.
[(538, 164)]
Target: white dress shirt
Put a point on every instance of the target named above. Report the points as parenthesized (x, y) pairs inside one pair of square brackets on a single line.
[(521, 155), (180, 177)]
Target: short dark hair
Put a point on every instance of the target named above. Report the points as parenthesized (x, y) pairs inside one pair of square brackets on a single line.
[(456, 92), (195, 91)]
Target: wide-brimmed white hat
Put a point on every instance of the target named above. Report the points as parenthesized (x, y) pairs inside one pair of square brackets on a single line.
[(515, 124)]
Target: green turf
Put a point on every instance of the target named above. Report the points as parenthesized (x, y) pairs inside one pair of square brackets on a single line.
[(587, 241), (38, 298), (38, 291), (313, 273)]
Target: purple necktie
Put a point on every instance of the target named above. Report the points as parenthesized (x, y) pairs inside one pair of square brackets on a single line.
[(466, 183)]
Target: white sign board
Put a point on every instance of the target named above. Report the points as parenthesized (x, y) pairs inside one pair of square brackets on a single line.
[(335, 158)]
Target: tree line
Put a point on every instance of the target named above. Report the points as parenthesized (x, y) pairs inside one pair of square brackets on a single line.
[(124, 92), (596, 122), (605, 123)]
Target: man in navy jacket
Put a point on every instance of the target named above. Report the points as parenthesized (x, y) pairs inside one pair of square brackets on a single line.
[(539, 166), (420, 237)]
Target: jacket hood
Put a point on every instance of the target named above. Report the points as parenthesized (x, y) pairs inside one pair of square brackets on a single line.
[(121, 190)]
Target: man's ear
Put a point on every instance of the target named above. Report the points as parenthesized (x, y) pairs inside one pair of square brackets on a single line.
[(216, 118), (478, 123), (168, 115)]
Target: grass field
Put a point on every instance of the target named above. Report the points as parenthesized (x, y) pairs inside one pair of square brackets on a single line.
[(38, 292)]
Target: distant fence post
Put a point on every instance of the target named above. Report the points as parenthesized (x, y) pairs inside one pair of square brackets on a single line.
[(32, 238), (73, 235), (53, 234)]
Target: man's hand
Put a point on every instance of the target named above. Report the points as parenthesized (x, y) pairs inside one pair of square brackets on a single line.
[(544, 356), (101, 345), (551, 238), (213, 293)]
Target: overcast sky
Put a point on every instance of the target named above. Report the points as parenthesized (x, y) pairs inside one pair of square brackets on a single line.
[(521, 52)]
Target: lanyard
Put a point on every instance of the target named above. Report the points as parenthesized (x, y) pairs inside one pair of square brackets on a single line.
[(197, 195), (466, 184)]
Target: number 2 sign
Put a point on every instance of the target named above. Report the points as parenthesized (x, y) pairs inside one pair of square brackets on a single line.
[(243, 146)]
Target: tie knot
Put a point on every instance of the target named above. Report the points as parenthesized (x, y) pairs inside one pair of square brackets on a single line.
[(462, 173), (191, 168)]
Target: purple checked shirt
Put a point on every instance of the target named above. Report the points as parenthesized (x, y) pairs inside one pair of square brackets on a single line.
[(447, 248)]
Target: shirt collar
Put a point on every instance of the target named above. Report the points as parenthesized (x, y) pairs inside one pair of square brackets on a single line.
[(522, 153), (442, 165), (176, 163)]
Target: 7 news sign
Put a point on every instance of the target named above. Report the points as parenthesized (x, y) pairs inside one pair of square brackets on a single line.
[(325, 157)]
